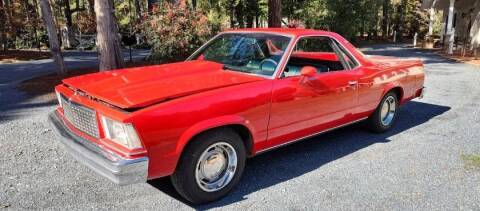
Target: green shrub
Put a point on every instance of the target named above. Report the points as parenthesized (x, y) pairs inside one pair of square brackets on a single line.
[(175, 32)]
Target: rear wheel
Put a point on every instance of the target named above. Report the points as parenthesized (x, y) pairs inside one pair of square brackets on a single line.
[(210, 166), (384, 116)]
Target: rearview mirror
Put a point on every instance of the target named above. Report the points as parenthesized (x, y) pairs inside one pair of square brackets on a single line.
[(308, 71)]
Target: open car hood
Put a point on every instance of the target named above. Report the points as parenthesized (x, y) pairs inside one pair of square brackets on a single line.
[(143, 86)]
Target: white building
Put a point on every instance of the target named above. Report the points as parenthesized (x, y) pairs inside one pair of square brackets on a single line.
[(460, 22)]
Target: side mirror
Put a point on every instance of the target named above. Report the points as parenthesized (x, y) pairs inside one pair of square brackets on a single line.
[(308, 71)]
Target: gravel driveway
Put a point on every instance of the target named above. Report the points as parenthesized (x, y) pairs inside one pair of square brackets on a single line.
[(417, 165)]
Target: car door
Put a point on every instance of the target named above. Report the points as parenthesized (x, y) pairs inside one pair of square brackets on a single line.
[(305, 105)]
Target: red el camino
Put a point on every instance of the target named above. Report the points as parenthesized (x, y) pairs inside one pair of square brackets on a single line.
[(244, 92)]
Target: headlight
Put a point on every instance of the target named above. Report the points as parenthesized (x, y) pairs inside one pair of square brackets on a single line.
[(121, 133), (59, 98)]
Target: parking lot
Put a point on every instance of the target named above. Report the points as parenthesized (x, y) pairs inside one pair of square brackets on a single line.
[(419, 164)]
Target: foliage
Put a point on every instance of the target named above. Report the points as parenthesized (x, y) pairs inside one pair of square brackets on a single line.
[(216, 11), (344, 16), (357, 18), (416, 20), (315, 14), (294, 9), (175, 32), (85, 23), (20, 24), (353, 19)]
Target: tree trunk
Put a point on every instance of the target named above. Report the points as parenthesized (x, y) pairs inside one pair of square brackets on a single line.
[(108, 42), (8, 23), (68, 12), (231, 9), (138, 9), (362, 26), (250, 20), (194, 4), (385, 21), (251, 12), (35, 26), (52, 36), (69, 25), (376, 20), (30, 20), (91, 6), (274, 13), (3, 35), (401, 23), (257, 18), (240, 14)]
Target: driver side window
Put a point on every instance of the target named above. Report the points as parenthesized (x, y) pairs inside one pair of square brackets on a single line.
[(317, 52)]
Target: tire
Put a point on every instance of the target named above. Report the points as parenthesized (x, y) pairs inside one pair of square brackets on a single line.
[(378, 122), (208, 145)]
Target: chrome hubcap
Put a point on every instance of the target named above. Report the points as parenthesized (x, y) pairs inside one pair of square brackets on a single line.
[(216, 167), (388, 111)]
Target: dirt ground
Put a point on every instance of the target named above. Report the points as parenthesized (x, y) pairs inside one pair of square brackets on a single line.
[(12, 56), (468, 58)]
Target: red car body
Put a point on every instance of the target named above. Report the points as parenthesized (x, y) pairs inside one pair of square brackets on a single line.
[(170, 104)]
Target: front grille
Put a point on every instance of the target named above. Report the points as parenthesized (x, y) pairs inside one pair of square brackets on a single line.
[(81, 117)]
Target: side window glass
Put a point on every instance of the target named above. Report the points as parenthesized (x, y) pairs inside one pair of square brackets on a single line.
[(317, 52), (314, 44), (347, 57)]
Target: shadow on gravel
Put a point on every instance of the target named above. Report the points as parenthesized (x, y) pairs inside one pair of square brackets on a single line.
[(23, 109), (15, 104), (295, 160)]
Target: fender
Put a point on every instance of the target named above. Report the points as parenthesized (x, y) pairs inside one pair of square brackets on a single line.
[(392, 85), (209, 124)]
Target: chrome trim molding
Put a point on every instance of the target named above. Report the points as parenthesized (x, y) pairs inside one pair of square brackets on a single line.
[(119, 170), (295, 41), (309, 136)]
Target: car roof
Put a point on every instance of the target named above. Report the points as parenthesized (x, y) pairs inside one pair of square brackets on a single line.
[(296, 32), (285, 31)]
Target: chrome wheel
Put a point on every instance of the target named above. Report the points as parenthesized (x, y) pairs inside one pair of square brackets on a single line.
[(387, 112), (216, 167)]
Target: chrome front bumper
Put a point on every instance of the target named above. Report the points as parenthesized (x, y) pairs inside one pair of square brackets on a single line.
[(118, 170)]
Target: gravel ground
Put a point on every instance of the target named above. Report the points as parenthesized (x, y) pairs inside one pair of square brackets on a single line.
[(417, 165)]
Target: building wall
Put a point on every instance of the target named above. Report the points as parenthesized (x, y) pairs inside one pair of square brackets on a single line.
[(466, 14)]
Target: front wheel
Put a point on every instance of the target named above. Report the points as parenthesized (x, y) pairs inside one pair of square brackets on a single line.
[(210, 166), (385, 114)]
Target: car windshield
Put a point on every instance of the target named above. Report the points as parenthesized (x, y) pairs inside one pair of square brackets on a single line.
[(256, 53)]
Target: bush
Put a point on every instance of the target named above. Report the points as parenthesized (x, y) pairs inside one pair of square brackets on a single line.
[(175, 32)]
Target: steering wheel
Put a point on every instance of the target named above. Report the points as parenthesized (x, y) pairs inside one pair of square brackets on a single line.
[(268, 60)]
